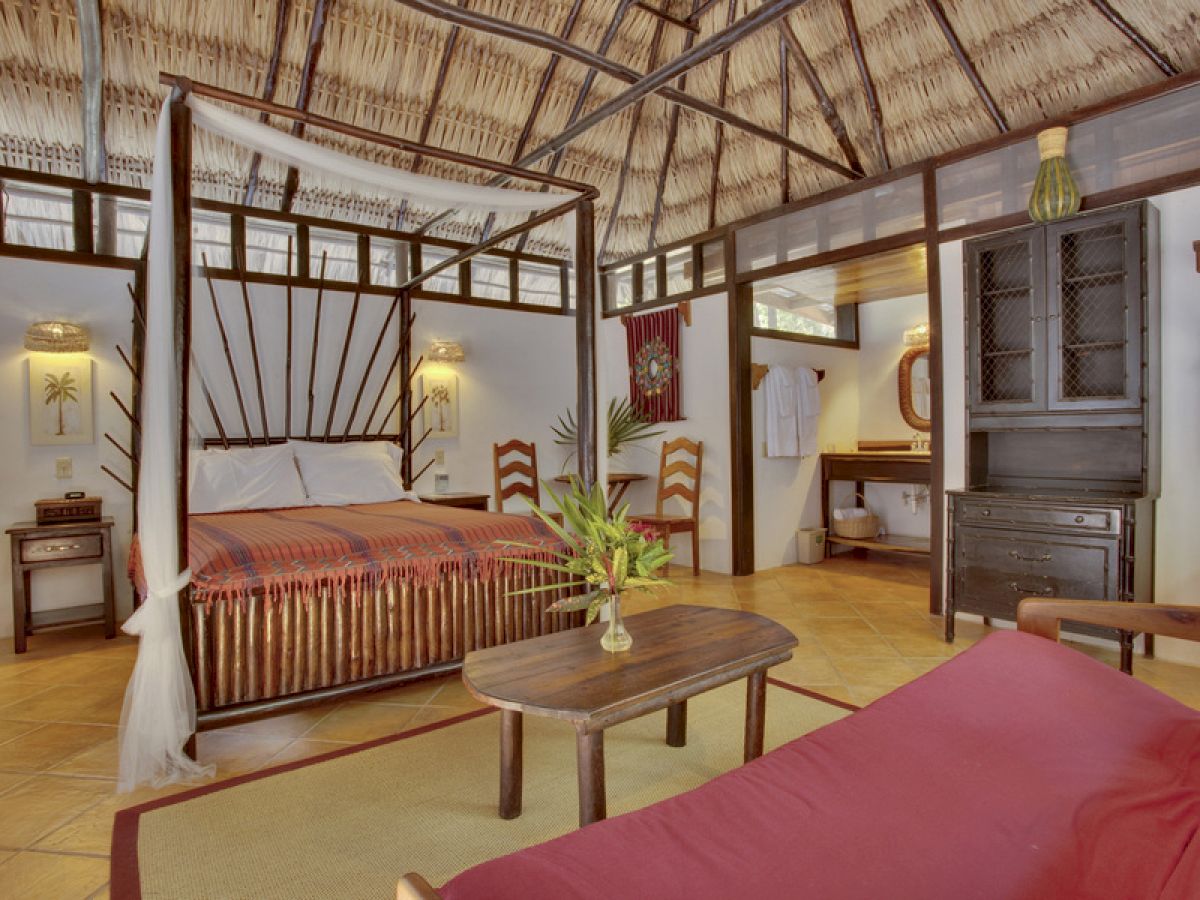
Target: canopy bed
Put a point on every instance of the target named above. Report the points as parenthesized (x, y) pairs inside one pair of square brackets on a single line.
[(304, 589)]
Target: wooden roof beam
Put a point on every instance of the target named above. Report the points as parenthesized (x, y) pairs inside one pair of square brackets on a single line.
[(785, 118), (868, 85), (968, 68), (91, 46), (824, 101), (695, 15), (282, 12), (665, 16), (718, 150), (316, 39), (1122, 25), (657, 81)]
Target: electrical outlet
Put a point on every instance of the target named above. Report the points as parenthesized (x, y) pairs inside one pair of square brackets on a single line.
[(63, 467), (439, 457)]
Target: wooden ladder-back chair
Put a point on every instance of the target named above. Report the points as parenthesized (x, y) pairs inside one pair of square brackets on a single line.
[(519, 475), (686, 470)]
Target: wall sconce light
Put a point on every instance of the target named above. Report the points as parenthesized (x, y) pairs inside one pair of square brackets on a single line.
[(446, 352), (917, 336), (56, 337)]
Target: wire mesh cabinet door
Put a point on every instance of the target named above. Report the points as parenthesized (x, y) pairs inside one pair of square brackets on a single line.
[(1094, 313), (1006, 310)]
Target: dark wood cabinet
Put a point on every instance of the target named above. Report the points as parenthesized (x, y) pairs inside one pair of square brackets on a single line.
[(1062, 418)]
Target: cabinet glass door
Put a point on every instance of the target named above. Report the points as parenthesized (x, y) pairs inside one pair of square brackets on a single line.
[(1094, 312), (1006, 286)]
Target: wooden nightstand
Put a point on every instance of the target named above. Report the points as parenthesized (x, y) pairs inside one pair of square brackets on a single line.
[(49, 546), (461, 499)]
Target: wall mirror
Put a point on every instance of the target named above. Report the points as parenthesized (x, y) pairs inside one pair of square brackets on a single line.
[(914, 388)]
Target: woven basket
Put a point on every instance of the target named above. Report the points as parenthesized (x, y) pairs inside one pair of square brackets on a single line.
[(862, 528)]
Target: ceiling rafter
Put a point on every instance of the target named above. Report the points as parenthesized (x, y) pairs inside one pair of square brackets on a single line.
[(435, 100), (701, 10), (653, 82), (968, 67), (672, 134), (665, 16), (864, 73), (824, 101), (539, 98), (282, 12), (1139, 40), (316, 40), (718, 151), (91, 48), (615, 210), (785, 117)]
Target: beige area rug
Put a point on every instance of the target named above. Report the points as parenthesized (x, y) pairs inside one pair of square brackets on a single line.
[(349, 824)]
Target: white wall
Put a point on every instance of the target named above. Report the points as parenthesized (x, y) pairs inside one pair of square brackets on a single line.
[(96, 298), (705, 362), (1177, 566), (518, 377)]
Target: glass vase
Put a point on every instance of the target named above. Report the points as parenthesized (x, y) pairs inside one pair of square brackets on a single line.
[(616, 639)]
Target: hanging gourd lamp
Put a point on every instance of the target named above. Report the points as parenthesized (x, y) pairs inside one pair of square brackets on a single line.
[(1055, 195)]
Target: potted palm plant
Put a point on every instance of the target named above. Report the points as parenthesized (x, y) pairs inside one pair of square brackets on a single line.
[(605, 555), (625, 428)]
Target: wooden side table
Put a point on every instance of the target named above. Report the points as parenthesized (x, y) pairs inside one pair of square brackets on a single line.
[(49, 546), (461, 499)]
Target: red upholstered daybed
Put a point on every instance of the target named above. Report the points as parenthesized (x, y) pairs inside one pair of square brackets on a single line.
[(1019, 769)]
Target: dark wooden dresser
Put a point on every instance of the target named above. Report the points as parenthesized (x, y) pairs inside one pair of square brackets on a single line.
[(1062, 417)]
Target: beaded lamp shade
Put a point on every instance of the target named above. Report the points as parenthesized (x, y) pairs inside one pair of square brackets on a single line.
[(446, 352), (1055, 195), (56, 337)]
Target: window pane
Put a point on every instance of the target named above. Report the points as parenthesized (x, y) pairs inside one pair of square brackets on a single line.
[(714, 263), (649, 280), (489, 277), (267, 246), (340, 251), (446, 281), (389, 262), (37, 216), (620, 288), (210, 238), (679, 271), (540, 284)]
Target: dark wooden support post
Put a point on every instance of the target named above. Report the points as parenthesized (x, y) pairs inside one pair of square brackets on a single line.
[(937, 434), (181, 232), (81, 220), (106, 224), (405, 374), (741, 426), (585, 339), (677, 724), (564, 286), (237, 240), (514, 280), (589, 753), (697, 266), (637, 282), (660, 276), (303, 253)]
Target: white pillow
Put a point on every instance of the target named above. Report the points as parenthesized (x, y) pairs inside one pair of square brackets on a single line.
[(245, 478), (353, 472)]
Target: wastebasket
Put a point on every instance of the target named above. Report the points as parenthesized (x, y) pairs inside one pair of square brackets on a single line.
[(810, 545)]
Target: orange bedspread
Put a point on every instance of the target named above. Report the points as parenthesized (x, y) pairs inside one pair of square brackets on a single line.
[(307, 548)]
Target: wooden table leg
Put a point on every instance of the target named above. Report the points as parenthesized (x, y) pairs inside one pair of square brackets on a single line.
[(511, 763), (677, 724), (20, 598), (615, 498), (110, 597), (756, 703), (589, 747)]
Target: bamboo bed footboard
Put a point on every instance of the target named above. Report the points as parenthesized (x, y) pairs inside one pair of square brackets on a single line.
[(254, 656)]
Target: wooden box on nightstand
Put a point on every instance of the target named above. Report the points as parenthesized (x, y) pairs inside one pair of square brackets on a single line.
[(461, 499)]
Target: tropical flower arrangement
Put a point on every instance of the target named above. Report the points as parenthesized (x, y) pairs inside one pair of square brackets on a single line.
[(605, 555)]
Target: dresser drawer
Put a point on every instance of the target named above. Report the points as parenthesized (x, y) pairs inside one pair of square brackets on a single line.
[(995, 570), (76, 546), (1001, 513)]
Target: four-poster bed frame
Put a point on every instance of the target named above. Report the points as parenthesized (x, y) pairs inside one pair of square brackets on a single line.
[(253, 657)]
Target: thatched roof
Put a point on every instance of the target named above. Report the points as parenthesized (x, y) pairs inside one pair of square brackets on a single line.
[(380, 60)]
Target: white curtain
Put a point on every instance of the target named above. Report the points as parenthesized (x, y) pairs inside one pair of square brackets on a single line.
[(417, 188), (160, 707), (159, 714)]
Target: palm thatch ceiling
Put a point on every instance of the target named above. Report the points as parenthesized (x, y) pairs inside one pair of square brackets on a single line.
[(940, 73)]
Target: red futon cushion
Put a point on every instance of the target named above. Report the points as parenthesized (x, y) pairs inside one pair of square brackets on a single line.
[(1019, 769)]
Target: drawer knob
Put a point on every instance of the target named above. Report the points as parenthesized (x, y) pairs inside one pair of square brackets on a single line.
[(1079, 520), (1045, 557), (56, 548), (1043, 592), (985, 513)]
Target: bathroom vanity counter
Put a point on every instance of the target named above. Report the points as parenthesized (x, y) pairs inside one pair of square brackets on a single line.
[(896, 467)]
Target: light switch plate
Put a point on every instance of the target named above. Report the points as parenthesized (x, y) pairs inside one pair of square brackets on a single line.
[(63, 467), (439, 457)]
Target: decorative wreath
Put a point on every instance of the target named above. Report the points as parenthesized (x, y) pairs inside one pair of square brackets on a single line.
[(653, 367)]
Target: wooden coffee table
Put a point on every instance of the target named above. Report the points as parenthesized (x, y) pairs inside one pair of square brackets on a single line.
[(678, 652)]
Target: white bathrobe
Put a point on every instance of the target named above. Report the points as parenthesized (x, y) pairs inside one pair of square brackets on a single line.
[(783, 436), (808, 410)]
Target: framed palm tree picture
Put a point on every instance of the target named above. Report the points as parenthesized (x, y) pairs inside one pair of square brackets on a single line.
[(60, 399), (440, 393)]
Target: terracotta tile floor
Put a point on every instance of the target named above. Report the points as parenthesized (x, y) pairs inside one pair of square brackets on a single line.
[(862, 625)]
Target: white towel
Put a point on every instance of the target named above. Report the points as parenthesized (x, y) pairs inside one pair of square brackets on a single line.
[(781, 411), (808, 410)]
